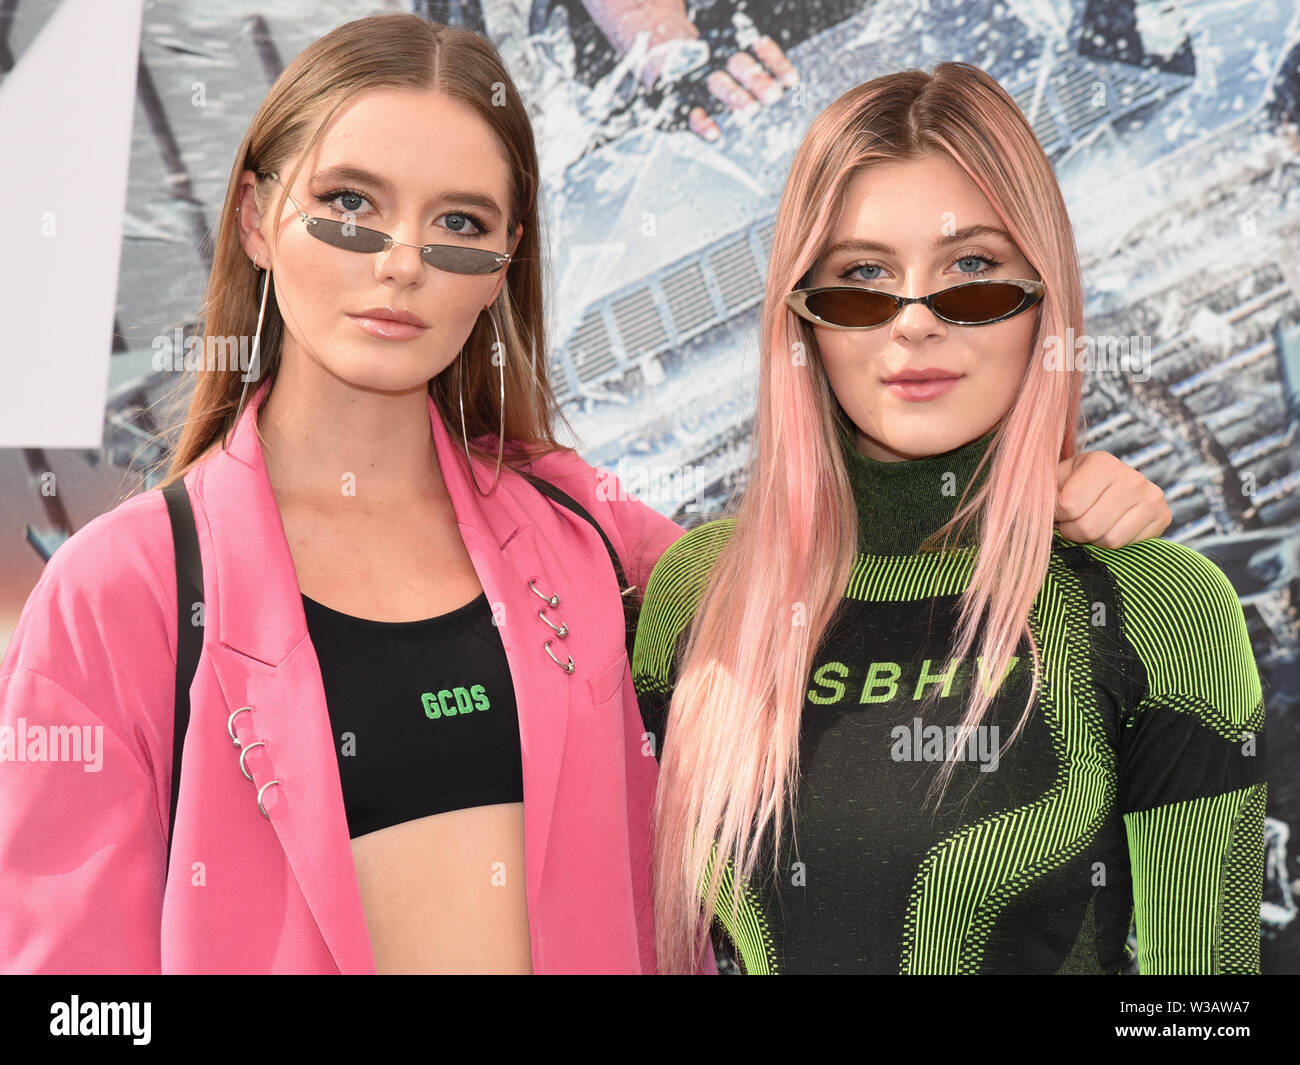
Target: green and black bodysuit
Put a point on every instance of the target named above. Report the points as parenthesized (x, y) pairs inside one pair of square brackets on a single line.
[(1135, 790)]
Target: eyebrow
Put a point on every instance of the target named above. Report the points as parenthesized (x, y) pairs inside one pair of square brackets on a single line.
[(963, 234), (362, 176)]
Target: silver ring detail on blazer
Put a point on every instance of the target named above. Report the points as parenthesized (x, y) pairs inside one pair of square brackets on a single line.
[(244, 769), (230, 723), (260, 807), (460, 400), (562, 630), (553, 600), (547, 648)]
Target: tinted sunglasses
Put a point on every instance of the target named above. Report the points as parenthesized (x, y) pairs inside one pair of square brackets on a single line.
[(351, 237), (971, 303)]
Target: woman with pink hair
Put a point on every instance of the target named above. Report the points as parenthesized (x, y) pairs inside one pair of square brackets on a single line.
[(904, 724)]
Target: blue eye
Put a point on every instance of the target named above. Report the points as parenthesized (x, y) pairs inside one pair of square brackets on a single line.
[(988, 263), (861, 266), (457, 221), (345, 195)]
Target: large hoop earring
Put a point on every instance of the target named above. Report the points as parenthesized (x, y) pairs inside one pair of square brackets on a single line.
[(498, 349), (254, 368)]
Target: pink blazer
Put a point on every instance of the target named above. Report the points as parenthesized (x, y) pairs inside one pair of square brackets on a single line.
[(83, 833)]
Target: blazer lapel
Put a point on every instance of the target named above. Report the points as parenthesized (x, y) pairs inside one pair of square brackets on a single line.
[(264, 660), (503, 546)]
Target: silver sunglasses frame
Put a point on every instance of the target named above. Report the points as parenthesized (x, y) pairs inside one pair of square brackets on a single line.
[(502, 258), (797, 301)]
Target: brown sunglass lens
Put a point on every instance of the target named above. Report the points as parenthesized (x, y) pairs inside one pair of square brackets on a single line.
[(979, 303), (851, 308)]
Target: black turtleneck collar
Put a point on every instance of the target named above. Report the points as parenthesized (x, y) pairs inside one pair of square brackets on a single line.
[(901, 503)]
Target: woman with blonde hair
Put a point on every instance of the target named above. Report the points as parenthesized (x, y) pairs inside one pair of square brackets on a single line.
[(413, 744), (906, 726)]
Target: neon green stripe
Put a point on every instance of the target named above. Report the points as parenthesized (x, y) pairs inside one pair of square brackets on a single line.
[(747, 927), (671, 595), (905, 578), (966, 881), (1205, 650), (1181, 910)]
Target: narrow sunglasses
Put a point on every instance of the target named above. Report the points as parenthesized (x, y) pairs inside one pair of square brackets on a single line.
[(351, 237), (971, 303)]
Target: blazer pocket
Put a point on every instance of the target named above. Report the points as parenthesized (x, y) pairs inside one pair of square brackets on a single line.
[(609, 681)]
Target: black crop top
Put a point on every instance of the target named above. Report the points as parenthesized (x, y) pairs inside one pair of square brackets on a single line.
[(423, 713)]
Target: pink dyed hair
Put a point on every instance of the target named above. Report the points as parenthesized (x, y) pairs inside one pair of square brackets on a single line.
[(731, 761)]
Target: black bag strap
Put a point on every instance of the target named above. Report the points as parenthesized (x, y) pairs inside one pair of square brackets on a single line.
[(189, 637), (631, 600)]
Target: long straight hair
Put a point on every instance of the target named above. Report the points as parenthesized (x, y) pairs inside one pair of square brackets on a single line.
[(731, 759), (402, 51)]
